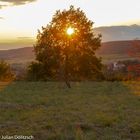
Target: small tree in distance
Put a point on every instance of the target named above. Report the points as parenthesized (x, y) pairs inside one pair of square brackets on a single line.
[(65, 48), (5, 72)]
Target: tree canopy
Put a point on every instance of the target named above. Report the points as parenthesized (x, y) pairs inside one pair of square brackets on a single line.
[(60, 54)]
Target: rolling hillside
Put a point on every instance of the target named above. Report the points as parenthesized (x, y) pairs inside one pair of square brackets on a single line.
[(116, 50), (115, 47), (21, 55), (109, 51)]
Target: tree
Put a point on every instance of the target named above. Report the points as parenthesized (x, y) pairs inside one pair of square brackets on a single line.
[(5, 71), (66, 47)]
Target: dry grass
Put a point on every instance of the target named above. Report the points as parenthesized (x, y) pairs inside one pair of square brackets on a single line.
[(3, 85), (88, 111)]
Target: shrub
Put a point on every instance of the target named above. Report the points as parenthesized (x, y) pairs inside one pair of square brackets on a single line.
[(5, 71)]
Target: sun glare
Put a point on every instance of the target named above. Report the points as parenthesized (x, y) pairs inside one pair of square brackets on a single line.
[(70, 31)]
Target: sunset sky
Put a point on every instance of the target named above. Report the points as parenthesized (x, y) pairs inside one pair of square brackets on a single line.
[(20, 19)]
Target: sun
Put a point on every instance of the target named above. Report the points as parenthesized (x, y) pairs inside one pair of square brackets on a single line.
[(70, 31)]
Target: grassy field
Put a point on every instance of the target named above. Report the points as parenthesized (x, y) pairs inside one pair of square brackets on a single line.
[(87, 111)]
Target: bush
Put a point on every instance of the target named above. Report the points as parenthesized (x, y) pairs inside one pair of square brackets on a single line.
[(5, 71), (37, 72)]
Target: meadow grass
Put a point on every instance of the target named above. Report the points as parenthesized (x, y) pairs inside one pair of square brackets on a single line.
[(87, 111)]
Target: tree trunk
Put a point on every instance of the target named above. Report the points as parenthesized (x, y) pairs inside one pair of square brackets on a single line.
[(66, 73)]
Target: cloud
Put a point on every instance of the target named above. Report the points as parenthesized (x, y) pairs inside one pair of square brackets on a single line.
[(1, 6), (1, 18), (25, 38), (15, 2)]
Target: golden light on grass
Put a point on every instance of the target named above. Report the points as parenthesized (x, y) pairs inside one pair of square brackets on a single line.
[(70, 31)]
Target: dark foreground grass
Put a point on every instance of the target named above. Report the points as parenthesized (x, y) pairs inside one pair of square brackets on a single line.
[(88, 111)]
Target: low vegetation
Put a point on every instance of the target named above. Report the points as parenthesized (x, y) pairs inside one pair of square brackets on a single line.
[(87, 111), (6, 73), (122, 70)]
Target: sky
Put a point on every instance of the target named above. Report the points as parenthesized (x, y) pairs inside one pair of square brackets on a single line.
[(20, 19)]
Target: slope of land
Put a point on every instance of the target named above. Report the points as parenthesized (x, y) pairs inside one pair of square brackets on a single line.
[(116, 50), (21, 55), (90, 110)]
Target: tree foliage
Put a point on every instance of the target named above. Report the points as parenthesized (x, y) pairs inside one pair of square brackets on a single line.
[(5, 71), (59, 55)]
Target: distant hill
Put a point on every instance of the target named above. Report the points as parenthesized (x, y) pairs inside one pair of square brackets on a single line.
[(116, 47), (116, 33), (116, 50), (109, 51), (21, 55)]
